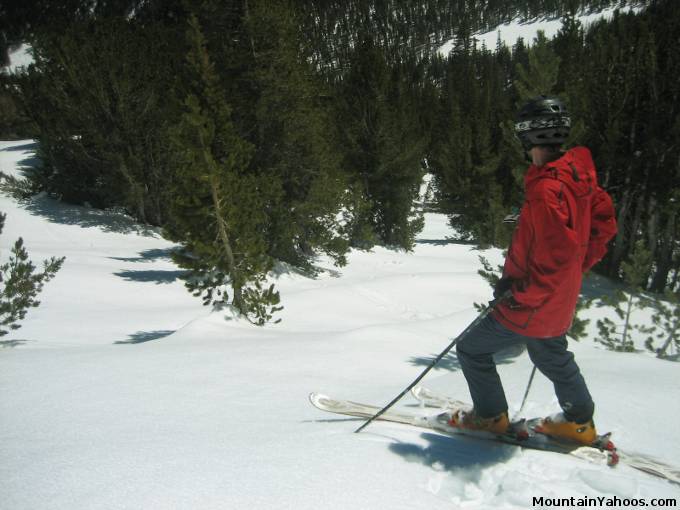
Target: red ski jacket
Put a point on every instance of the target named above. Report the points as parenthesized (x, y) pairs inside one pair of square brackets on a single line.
[(564, 227)]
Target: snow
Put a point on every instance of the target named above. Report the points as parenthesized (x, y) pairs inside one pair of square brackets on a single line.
[(510, 32), (19, 59), (122, 391)]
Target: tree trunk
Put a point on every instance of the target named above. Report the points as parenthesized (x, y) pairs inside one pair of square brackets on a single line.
[(226, 245), (620, 241), (635, 226), (661, 351), (676, 277), (652, 226), (246, 16), (625, 335), (664, 261), (136, 192)]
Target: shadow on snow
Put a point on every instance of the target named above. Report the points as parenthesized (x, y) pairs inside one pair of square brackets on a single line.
[(595, 286), (66, 214), (8, 344), (159, 277), (31, 146), (445, 242), (145, 336), (458, 454), (148, 255)]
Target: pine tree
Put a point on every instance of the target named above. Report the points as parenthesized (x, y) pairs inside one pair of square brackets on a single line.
[(98, 96), (13, 123), (450, 152), (20, 284), (666, 321), (628, 99), (578, 330), (540, 76), (384, 148), (218, 205), (294, 140), (569, 47), (488, 272), (636, 273), (470, 156)]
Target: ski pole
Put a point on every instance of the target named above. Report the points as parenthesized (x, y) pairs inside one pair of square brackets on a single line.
[(474, 323), (526, 393)]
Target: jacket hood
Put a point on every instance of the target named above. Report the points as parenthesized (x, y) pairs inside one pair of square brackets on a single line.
[(575, 168)]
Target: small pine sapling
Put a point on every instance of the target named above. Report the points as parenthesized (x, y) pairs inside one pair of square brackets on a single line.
[(578, 331), (666, 326), (617, 336), (20, 284), (490, 274)]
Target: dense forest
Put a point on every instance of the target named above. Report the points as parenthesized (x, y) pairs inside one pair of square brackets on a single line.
[(256, 133)]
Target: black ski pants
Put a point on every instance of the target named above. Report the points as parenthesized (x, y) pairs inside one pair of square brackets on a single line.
[(550, 355)]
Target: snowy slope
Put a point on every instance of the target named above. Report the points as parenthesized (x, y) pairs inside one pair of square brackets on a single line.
[(121, 391), (510, 32)]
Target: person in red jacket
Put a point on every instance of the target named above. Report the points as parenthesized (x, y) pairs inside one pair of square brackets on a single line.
[(563, 229)]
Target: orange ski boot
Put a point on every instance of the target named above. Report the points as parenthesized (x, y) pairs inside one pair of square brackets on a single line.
[(469, 420), (559, 427)]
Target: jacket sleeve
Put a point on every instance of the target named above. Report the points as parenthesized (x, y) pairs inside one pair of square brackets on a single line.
[(553, 244), (602, 228)]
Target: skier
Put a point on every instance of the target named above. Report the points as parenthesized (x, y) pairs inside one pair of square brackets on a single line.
[(563, 228)]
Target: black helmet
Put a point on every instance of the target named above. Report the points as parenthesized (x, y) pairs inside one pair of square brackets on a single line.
[(543, 120)]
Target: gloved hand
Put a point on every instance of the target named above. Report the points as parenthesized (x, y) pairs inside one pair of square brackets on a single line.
[(511, 303), (502, 286)]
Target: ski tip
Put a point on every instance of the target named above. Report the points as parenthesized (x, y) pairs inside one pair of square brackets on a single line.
[(318, 399)]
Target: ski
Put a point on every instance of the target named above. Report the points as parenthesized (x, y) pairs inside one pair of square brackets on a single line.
[(430, 398), (439, 422), (522, 434), (641, 462)]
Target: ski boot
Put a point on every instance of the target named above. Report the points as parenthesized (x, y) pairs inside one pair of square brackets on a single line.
[(558, 427), (469, 420)]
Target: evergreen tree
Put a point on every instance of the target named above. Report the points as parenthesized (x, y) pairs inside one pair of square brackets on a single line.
[(628, 100), (101, 96), (540, 75), (293, 140), (98, 95), (577, 330), (470, 157), (219, 207), (666, 327), (384, 149), (636, 273), (13, 122), (20, 284), (568, 44)]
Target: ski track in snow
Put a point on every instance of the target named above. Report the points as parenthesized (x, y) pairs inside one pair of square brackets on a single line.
[(122, 391)]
